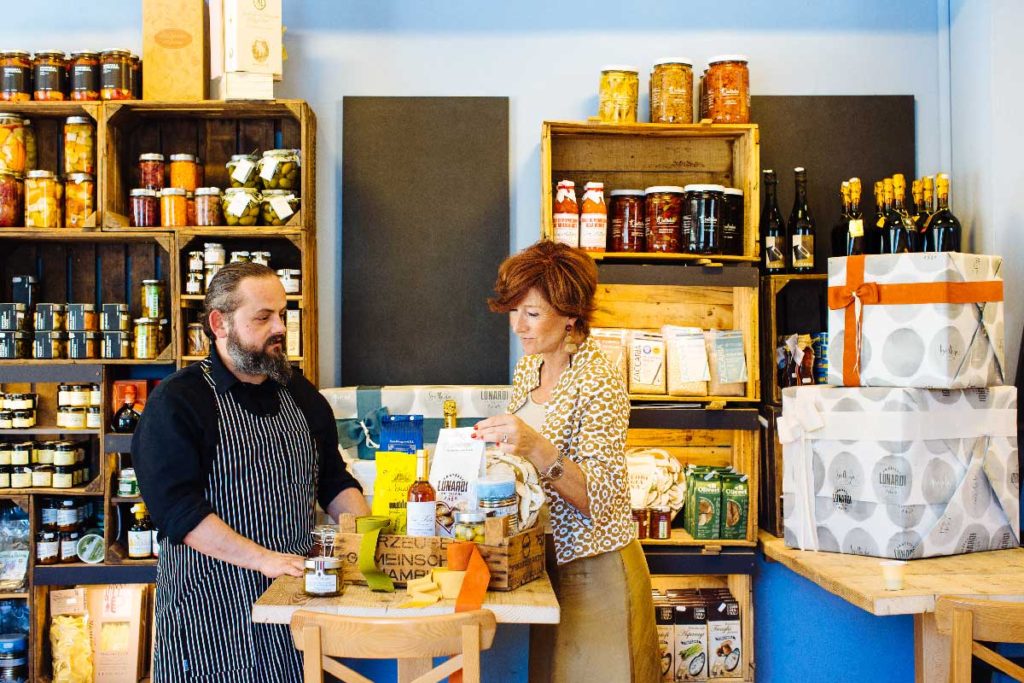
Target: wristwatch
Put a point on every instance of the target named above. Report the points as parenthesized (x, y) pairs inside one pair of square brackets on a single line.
[(555, 470)]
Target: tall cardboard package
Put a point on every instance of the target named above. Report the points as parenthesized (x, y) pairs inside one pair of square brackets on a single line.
[(175, 57), (115, 615), (245, 36)]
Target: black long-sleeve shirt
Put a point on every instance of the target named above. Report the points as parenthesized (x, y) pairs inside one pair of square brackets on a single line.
[(175, 443)]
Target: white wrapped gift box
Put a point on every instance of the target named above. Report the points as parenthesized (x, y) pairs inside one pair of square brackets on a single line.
[(900, 473)]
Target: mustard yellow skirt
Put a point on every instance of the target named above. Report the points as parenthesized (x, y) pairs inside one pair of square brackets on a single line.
[(607, 630)]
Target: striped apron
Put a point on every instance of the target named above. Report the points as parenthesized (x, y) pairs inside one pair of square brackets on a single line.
[(262, 484)]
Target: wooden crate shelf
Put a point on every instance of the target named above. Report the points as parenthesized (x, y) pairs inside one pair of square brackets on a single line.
[(775, 315)]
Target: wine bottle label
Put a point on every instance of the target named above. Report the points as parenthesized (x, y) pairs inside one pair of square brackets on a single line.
[(140, 543), (856, 228), (420, 518), (803, 251), (774, 258), (567, 228)]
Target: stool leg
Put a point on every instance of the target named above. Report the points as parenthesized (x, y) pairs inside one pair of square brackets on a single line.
[(413, 667), (312, 656)]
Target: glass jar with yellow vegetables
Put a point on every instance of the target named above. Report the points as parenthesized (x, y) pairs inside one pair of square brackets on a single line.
[(278, 206), (12, 143), (617, 97), (79, 145), (469, 525), (241, 206), (279, 169), (44, 196), (31, 150), (79, 203)]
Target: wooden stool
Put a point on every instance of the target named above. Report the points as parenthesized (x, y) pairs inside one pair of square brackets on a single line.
[(970, 620)]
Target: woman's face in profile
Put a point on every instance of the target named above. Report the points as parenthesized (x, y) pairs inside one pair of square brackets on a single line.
[(539, 327)]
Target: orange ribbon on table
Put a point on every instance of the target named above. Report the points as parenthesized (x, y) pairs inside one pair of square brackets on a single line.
[(857, 293), (465, 556)]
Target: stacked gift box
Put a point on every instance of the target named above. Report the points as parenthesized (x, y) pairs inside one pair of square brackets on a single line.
[(913, 452)]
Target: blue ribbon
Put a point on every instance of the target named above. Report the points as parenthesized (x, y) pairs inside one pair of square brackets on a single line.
[(363, 432)]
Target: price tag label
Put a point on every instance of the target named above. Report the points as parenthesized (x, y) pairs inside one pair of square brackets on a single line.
[(857, 228), (269, 166), (281, 206), (242, 171), (239, 202)]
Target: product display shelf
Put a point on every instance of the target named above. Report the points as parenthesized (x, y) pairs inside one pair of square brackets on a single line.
[(770, 495), (641, 155), (791, 303)]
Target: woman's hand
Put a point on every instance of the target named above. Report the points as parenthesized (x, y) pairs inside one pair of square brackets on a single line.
[(515, 437)]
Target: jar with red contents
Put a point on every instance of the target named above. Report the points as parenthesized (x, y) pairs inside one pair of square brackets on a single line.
[(661, 524), (663, 206), (145, 208), (728, 89), (640, 523), (208, 207), (85, 76), (12, 198), (151, 171), (16, 73), (627, 218), (50, 73)]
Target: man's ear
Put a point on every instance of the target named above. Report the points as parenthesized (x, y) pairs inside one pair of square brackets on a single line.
[(219, 324)]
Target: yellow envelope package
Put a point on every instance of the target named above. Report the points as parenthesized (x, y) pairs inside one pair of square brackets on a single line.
[(396, 472)]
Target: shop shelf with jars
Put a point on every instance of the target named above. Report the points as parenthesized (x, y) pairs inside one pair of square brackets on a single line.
[(643, 169), (792, 304)]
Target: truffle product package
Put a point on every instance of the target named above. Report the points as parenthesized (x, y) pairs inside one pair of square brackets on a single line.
[(403, 433), (396, 472), (646, 364), (686, 357), (728, 363), (457, 464), (613, 343), (723, 637), (691, 640)]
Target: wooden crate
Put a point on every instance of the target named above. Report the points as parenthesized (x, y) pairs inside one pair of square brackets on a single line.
[(703, 437), (740, 585), (790, 304), (770, 495), (514, 560), (646, 297), (641, 155)]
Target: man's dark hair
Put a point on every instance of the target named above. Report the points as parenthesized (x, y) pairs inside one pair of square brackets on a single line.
[(222, 292)]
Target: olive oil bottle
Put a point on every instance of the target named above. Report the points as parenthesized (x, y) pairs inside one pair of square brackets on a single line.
[(140, 535)]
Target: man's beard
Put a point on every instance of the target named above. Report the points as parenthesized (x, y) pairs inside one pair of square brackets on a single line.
[(260, 361)]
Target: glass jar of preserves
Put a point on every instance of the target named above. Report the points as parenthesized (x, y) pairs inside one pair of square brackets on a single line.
[(147, 338), (12, 196), (213, 254), (194, 282), (172, 207), (21, 476), (49, 316), (291, 280), (208, 207), (63, 476), (702, 229), (260, 257), (6, 419), (44, 196), (322, 577), (78, 396), (31, 148), (279, 169), (151, 170), (672, 91), (627, 218), (184, 172), (241, 207), (15, 76), (74, 418), (93, 417), (617, 97), (732, 222), (469, 525), (127, 483), (5, 476), (198, 342), (20, 402), (115, 75), (49, 75), (640, 522), (565, 214), (152, 294), (47, 547), (242, 171), (23, 419), (15, 345), (145, 208), (43, 452), (278, 206), (661, 523), (95, 395), (662, 218), (82, 318), (79, 145), (190, 208), (239, 257), (727, 87), (21, 453), (85, 76), (42, 476), (68, 514), (209, 272), (64, 454), (196, 261), (78, 200), (5, 453), (12, 143), (69, 546)]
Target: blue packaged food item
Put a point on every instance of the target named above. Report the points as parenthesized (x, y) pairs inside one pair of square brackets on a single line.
[(401, 433)]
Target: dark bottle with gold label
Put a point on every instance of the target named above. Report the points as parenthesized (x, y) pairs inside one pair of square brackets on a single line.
[(801, 226)]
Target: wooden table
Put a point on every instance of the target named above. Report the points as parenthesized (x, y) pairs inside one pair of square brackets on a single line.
[(998, 575)]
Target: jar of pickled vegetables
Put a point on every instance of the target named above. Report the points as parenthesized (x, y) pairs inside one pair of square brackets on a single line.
[(145, 208), (85, 76), (12, 196), (728, 89), (208, 207), (79, 191), (663, 205), (15, 76), (115, 75), (672, 91), (49, 73), (242, 170), (184, 172), (617, 98), (469, 525), (31, 150), (12, 143), (278, 206), (173, 210), (44, 196), (79, 145), (151, 171), (279, 169), (241, 206)]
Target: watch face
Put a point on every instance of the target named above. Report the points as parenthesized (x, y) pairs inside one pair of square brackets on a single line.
[(555, 471)]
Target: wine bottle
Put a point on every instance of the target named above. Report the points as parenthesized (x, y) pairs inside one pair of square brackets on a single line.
[(924, 212), (899, 235), (855, 237), (873, 241), (842, 223), (773, 228), (801, 226), (127, 417), (943, 227), (420, 507)]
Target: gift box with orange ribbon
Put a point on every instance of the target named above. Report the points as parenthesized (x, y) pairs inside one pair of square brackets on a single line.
[(929, 320)]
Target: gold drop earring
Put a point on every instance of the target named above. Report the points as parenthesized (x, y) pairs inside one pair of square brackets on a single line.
[(570, 345)]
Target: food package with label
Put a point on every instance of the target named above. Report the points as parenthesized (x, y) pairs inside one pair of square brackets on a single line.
[(929, 320), (457, 464), (727, 362), (614, 343), (115, 615), (646, 363), (70, 637), (395, 473), (900, 473), (686, 361)]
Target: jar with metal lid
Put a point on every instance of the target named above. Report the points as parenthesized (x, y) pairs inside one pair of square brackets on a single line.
[(79, 145), (702, 218), (69, 546), (208, 208), (42, 452), (31, 147), (78, 395), (213, 254), (497, 497), (145, 208), (641, 519), (242, 170), (239, 257), (127, 483), (23, 419), (82, 318), (241, 206), (5, 452), (49, 75), (79, 204), (663, 206), (21, 476), (12, 143), (727, 87), (21, 453), (68, 514), (173, 208), (196, 261), (42, 476), (260, 257), (151, 171), (322, 577), (209, 272), (732, 222), (194, 283), (626, 213), (291, 280), (95, 395), (6, 419), (47, 547), (85, 76), (661, 523), (151, 293), (44, 195), (672, 90), (184, 172), (20, 401), (48, 513), (15, 345), (63, 476), (5, 476), (64, 453), (63, 394), (198, 342), (115, 75), (15, 76), (147, 338), (279, 169), (278, 206), (49, 316), (115, 318), (12, 197), (618, 94), (93, 418), (74, 418), (469, 525)]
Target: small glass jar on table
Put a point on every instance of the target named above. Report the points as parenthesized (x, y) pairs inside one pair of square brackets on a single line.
[(12, 198), (49, 75), (12, 143), (44, 195), (242, 170), (279, 169), (323, 577), (151, 170), (184, 172), (241, 206), (16, 73), (79, 145), (79, 204), (47, 547), (115, 75), (469, 525), (278, 206), (173, 208), (208, 207), (85, 76), (145, 208)]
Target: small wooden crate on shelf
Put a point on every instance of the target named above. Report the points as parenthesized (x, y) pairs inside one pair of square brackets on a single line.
[(641, 155), (785, 314), (770, 494)]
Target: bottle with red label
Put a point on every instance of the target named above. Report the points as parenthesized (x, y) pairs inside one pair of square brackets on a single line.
[(566, 214), (593, 219)]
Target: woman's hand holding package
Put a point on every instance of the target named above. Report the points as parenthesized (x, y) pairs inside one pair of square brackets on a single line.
[(514, 436)]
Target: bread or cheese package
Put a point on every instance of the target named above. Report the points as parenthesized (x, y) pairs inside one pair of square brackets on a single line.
[(728, 363), (686, 361), (613, 343), (457, 465), (646, 363), (396, 472)]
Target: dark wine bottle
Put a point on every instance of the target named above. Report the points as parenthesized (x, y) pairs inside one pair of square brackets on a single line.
[(801, 226), (842, 223), (126, 418), (899, 235), (773, 229), (943, 228)]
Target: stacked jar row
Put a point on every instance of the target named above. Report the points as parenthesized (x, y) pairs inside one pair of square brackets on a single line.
[(71, 531), (52, 75), (43, 464)]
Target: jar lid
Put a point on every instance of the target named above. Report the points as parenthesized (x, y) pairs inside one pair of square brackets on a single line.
[(470, 516), (90, 548), (147, 321), (143, 192), (77, 120), (152, 282), (84, 53), (183, 157), (719, 59), (734, 191), (51, 334), (13, 642), (277, 193), (246, 190), (323, 562), (243, 157), (205, 191), (93, 409), (496, 487), (289, 272), (619, 67), (212, 245), (79, 177), (21, 397), (55, 307), (116, 52), (120, 307), (172, 192), (128, 473), (239, 253), (673, 60), (39, 173), (626, 193), (85, 307), (703, 188), (50, 53), (85, 334), (663, 188), (18, 306), (151, 156), (14, 53)]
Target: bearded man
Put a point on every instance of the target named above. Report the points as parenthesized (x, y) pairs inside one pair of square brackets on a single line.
[(232, 453)]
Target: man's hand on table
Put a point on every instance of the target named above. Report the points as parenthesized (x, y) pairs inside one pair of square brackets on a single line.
[(275, 564)]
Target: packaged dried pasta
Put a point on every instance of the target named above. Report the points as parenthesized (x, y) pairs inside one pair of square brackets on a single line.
[(612, 343), (686, 361), (396, 472), (70, 637)]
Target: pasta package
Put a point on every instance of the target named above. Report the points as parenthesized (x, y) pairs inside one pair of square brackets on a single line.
[(686, 361), (646, 364), (70, 637), (396, 472), (613, 344), (727, 362)]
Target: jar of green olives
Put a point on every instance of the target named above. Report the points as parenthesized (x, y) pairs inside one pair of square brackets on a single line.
[(278, 206), (241, 206), (469, 525), (279, 169), (242, 171)]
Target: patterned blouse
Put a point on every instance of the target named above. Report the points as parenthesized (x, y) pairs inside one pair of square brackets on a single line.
[(587, 417)]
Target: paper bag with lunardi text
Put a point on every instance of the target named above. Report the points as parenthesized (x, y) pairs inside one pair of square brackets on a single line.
[(457, 465)]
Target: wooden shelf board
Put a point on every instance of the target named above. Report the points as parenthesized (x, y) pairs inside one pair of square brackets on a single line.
[(236, 109), (665, 398), (14, 596), (86, 361), (79, 234), (250, 232), (48, 430), (65, 108), (74, 491), (680, 537), (725, 130), (657, 257)]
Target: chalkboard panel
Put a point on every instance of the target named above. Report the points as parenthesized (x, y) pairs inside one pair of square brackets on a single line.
[(425, 223), (834, 138)]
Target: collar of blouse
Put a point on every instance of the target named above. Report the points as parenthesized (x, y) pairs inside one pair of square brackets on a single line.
[(527, 375)]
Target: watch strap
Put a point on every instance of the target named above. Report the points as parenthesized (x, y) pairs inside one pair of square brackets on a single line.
[(557, 468)]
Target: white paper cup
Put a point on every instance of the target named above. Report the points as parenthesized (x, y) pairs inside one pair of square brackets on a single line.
[(892, 574)]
